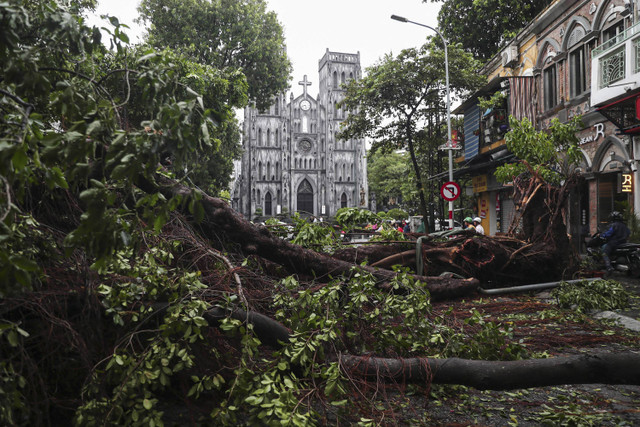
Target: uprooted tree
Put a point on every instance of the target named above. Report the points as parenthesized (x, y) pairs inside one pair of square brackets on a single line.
[(129, 297)]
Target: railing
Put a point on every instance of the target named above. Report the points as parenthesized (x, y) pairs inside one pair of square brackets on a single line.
[(612, 68), (615, 41)]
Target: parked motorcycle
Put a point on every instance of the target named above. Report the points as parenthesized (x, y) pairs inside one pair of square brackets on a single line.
[(626, 257)]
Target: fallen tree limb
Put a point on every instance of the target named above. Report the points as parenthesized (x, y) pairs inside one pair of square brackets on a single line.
[(405, 259), (606, 368), (610, 368)]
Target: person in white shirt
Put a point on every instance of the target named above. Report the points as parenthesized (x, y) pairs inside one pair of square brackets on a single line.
[(479, 227)]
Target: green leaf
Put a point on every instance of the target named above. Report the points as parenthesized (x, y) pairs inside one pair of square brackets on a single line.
[(147, 404), (20, 159)]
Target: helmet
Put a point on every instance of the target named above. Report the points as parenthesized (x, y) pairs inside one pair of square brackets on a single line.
[(468, 219), (615, 216), (477, 219)]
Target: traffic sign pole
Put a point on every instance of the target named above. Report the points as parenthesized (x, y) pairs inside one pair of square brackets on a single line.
[(450, 191)]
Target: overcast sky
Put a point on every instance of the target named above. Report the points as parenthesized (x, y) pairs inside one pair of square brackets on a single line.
[(312, 26)]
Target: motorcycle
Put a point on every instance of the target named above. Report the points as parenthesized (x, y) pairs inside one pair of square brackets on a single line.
[(626, 257)]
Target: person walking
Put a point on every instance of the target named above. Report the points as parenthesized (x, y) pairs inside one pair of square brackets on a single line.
[(616, 234), (477, 223)]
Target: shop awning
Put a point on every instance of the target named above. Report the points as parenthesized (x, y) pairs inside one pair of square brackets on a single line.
[(624, 113)]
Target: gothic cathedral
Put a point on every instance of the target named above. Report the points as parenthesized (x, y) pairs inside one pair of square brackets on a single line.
[(292, 160)]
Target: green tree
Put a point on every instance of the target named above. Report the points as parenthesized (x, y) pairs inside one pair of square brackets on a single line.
[(224, 33), (542, 179), (391, 176), (552, 155), (396, 98), (483, 27)]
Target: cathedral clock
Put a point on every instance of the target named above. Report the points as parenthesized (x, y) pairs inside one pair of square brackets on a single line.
[(305, 105)]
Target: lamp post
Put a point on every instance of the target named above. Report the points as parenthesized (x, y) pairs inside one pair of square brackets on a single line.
[(449, 146)]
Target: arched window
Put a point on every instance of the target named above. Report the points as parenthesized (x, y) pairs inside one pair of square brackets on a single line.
[(268, 137), (352, 169), (267, 205), (277, 138), (269, 171), (342, 78), (344, 169), (259, 137), (350, 76), (335, 79), (277, 170), (343, 200), (277, 109), (260, 176)]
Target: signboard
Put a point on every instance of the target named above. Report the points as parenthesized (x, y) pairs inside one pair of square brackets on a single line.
[(479, 183), (627, 183), (450, 191)]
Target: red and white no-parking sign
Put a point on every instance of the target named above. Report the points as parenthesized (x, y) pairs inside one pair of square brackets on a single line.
[(450, 191)]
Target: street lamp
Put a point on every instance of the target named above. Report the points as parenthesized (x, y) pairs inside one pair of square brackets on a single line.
[(449, 145)]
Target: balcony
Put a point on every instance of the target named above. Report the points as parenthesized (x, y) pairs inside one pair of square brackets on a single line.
[(615, 67)]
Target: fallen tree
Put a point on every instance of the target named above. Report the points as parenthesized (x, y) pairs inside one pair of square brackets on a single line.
[(115, 268)]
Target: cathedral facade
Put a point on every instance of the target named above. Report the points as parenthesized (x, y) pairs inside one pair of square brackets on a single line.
[(292, 159)]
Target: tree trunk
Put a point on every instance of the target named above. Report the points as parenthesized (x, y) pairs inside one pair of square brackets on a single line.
[(222, 222)]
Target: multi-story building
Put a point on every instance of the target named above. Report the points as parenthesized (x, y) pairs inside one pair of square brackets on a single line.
[(576, 58), (293, 161)]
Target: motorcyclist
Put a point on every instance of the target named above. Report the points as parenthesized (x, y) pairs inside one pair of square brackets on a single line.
[(616, 234), (467, 224)]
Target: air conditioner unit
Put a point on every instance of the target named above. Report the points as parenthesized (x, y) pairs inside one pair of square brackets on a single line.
[(510, 56)]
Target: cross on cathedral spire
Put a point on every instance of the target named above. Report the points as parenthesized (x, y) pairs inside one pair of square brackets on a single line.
[(304, 83)]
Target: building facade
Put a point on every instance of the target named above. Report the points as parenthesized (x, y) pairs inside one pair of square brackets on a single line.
[(293, 160), (577, 58)]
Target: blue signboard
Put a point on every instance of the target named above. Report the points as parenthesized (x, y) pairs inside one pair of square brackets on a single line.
[(471, 132)]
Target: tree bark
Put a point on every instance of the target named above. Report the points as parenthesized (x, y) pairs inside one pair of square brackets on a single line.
[(611, 368)]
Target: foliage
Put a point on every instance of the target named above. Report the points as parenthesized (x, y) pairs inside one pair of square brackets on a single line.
[(633, 222), (496, 100), (226, 34), (350, 218), (397, 214), (399, 95), (136, 376), (483, 27), (552, 155), (365, 319), (313, 235), (595, 295), (390, 175), (388, 234)]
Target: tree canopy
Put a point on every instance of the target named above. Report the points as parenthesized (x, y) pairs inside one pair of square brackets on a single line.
[(399, 95), (391, 177), (483, 27), (224, 34), (552, 154)]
